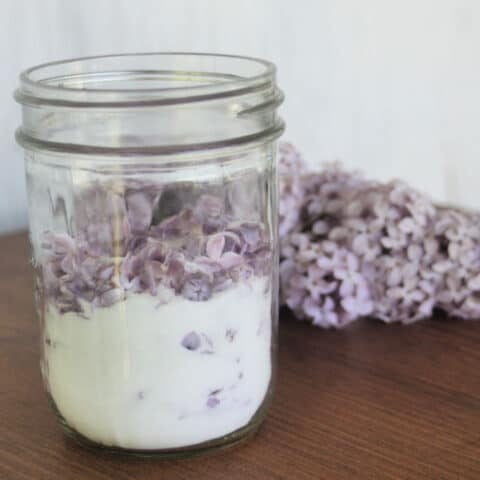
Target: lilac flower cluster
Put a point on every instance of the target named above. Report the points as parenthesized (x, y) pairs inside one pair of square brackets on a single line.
[(146, 238), (361, 248)]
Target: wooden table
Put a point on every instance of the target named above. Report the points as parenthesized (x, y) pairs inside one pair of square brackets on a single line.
[(370, 402)]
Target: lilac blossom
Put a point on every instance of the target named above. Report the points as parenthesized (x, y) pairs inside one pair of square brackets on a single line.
[(361, 248), (125, 243)]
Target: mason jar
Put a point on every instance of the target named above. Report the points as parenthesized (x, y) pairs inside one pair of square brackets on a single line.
[(152, 197)]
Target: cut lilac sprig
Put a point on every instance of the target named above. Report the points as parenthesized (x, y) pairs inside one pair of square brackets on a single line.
[(355, 247)]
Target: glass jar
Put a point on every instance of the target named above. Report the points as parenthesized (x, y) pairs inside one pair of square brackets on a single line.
[(153, 223)]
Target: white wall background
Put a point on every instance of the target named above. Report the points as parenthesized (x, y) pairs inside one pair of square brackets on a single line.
[(389, 86)]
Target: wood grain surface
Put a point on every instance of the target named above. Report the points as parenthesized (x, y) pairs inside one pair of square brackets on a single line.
[(370, 402)]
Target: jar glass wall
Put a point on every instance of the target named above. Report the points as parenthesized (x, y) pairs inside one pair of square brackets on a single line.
[(152, 201)]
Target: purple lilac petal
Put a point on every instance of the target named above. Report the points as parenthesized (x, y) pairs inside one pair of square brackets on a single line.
[(215, 246), (229, 260), (212, 402), (209, 212), (191, 341), (140, 209)]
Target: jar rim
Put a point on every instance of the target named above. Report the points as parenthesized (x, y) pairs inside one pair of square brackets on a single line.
[(39, 87)]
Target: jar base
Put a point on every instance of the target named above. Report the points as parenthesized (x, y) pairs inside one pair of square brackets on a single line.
[(231, 440)]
